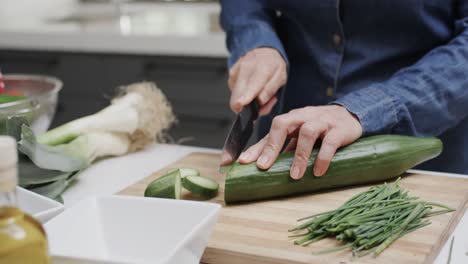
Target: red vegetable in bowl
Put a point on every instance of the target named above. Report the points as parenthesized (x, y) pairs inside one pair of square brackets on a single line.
[(2, 84), (15, 93)]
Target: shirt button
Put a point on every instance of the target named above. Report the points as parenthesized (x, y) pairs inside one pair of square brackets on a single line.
[(336, 39), (330, 91)]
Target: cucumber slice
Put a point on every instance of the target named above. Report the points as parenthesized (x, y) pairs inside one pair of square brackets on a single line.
[(201, 186), (166, 186), (184, 172)]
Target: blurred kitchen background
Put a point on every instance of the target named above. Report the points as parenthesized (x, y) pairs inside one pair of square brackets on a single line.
[(94, 46)]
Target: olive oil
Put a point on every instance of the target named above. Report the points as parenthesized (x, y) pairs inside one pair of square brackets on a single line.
[(22, 238)]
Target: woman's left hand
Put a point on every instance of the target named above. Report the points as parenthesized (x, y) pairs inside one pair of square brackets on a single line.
[(332, 123)]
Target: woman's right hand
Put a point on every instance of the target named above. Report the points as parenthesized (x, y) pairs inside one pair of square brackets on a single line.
[(259, 74)]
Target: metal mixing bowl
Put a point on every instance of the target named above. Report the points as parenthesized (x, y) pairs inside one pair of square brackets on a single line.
[(41, 103)]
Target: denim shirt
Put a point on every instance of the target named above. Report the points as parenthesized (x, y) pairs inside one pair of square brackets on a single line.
[(401, 66)]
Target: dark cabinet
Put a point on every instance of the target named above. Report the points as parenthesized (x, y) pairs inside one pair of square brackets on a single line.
[(90, 81), (21, 62), (196, 87)]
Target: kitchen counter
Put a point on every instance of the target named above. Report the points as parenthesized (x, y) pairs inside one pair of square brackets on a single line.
[(181, 29), (112, 175)]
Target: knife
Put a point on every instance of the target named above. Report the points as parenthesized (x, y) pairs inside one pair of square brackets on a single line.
[(240, 132)]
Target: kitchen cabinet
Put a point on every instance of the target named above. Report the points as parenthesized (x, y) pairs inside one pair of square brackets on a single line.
[(195, 86), (19, 62)]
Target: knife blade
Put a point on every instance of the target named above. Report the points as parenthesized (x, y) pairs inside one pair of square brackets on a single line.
[(240, 132)]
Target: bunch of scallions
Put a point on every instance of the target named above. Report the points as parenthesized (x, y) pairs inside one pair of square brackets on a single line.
[(139, 115), (370, 221)]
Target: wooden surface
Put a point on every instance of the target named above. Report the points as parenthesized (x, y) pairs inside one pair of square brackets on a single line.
[(257, 232)]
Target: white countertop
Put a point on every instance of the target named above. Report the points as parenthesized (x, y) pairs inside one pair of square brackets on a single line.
[(179, 29), (112, 175)]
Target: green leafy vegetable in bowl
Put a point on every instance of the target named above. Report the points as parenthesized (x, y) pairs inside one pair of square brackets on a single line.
[(5, 98)]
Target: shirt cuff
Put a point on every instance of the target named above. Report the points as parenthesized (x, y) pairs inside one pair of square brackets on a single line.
[(245, 39), (376, 110)]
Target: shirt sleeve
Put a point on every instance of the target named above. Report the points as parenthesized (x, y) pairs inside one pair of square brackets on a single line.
[(424, 99), (249, 24)]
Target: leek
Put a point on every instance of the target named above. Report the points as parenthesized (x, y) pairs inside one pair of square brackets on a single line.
[(57, 166), (140, 110), (77, 154), (66, 158), (55, 189), (30, 174), (138, 116)]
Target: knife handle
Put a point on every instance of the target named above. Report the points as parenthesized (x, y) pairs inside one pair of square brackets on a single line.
[(254, 109)]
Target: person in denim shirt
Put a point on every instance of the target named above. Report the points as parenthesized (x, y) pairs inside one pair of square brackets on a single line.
[(338, 70)]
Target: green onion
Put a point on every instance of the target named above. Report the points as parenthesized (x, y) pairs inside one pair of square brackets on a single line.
[(335, 249), (369, 222), (396, 234), (449, 259)]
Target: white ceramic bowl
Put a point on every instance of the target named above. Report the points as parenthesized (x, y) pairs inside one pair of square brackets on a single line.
[(124, 229), (40, 207)]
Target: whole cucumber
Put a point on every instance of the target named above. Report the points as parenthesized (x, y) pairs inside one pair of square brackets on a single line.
[(369, 159)]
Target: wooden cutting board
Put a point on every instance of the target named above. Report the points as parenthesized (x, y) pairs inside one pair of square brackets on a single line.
[(257, 232)]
